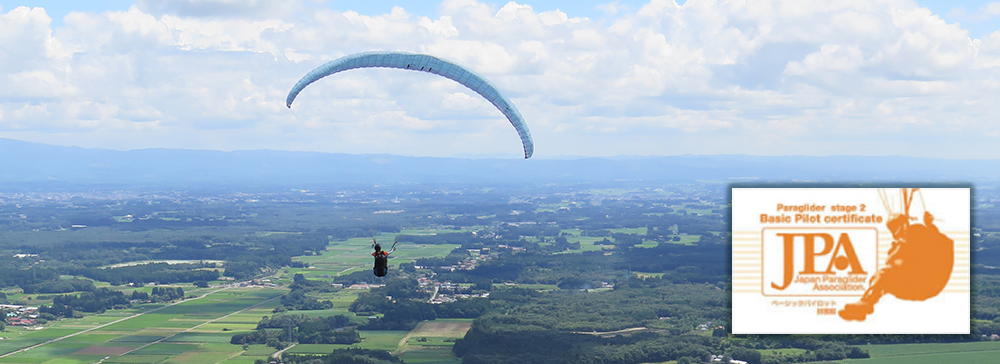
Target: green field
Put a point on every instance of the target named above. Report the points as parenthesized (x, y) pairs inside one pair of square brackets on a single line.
[(437, 356), (933, 353), (352, 255), (379, 340), (344, 257), (587, 242), (431, 341), (647, 275), (182, 333), (971, 352), (638, 231), (199, 330), (538, 286), (965, 357)]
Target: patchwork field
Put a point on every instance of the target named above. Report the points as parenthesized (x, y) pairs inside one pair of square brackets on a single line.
[(198, 331), (189, 332)]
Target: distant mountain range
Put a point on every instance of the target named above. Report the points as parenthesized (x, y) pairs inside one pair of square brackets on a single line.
[(25, 162)]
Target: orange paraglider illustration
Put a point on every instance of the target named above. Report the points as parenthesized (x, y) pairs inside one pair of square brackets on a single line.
[(919, 263)]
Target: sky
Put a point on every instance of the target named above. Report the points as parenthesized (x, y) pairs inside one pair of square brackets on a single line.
[(591, 78)]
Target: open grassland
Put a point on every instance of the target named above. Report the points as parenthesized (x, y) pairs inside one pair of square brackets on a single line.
[(637, 231), (380, 340), (340, 299), (878, 351), (648, 244), (168, 261), (537, 286), (431, 356), (647, 275), (957, 357), (464, 229), (242, 359), (688, 239), (971, 352), (587, 243), (189, 332)]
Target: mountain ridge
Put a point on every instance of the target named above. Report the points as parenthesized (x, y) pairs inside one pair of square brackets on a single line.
[(26, 162)]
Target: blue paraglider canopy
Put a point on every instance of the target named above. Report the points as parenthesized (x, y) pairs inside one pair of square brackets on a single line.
[(425, 63)]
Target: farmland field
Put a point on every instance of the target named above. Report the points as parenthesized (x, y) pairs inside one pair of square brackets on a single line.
[(971, 352), (431, 341), (199, 330), (183, 333)]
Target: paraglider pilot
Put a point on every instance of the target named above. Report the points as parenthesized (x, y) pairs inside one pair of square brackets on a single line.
[(382, 257), (919, 265)]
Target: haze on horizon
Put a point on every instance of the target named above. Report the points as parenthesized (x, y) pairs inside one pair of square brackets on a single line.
[(885, 77)]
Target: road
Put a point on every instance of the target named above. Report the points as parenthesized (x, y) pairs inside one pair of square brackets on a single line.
[(433, 296), (277, 355)]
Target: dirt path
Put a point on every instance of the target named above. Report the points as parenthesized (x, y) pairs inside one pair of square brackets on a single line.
[(277, 355), (433, 296), (616, 332)]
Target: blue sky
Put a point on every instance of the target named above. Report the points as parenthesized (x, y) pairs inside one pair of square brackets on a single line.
[(951, 11), (878, 77)]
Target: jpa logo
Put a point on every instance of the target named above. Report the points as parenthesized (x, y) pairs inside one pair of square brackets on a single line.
[(818, 262)]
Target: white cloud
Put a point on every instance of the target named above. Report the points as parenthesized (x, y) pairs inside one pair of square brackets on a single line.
[(986, 12), (991, 9), (706, 77), (219, 8), (441, 27), (612, 8)]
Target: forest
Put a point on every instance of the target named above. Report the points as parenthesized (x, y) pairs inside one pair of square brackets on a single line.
[(571, 277)]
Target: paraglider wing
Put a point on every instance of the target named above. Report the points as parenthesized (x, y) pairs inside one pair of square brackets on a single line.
[(425, 63)]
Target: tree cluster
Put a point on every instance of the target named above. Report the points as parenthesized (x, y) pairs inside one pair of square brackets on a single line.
[(59, 286), (161, 273), (303, 284), (166, 294), (300, 328), (344, 356), (297, 300), (97, 301)]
